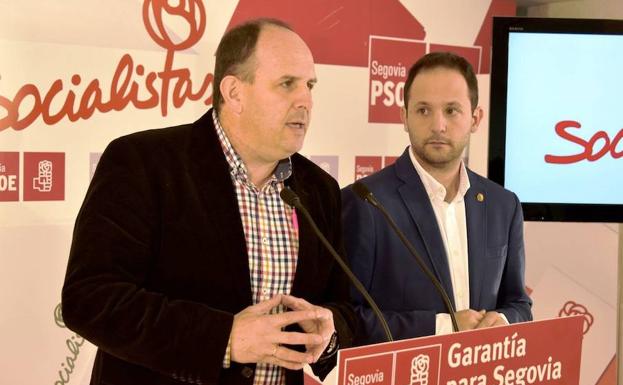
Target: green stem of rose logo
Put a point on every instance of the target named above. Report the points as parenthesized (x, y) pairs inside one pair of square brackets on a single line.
[(73, 345)]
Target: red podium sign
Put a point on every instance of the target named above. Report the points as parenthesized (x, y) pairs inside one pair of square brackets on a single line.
[(543, 352)]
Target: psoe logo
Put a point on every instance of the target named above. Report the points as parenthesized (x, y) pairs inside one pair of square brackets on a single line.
[(44, 176), (43, 181), (420, 366), (572, 308), (367, 165), (9, 176), (390, 60), (130, 84)]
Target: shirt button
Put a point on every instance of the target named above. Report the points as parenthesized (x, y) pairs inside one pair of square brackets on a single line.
[(265, 241), (246, 372)]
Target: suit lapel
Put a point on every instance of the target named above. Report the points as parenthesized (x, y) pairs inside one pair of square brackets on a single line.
[(307, 263), (475, 212), (418, 204), (211, 173)]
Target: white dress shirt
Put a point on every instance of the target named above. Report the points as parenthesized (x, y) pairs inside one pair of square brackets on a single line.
[(453, 227)]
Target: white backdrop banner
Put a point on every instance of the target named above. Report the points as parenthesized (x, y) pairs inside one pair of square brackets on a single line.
[(76, 74)]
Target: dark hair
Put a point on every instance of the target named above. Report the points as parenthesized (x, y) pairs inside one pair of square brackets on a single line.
[(447, 60), (234, 54)]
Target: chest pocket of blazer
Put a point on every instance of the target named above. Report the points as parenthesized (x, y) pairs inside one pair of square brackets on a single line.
[(494, 267)]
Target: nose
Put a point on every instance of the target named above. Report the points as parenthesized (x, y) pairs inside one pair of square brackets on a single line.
[(439, 122), (303, 98)]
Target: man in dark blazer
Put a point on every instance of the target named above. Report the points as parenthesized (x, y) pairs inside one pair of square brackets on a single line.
[(467, 229), (184, 259)]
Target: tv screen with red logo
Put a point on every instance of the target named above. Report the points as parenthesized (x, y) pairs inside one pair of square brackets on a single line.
[(556, 119)]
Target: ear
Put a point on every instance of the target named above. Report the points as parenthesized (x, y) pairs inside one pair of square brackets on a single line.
[(476, 119), (231, 91), (403, 118)]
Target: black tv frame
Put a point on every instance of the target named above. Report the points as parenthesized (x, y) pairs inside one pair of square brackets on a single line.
[(502, 26)]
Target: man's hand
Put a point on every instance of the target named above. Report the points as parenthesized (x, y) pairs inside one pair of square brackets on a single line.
[(321, 324), (491, 318), (256, 335), (468, 319)]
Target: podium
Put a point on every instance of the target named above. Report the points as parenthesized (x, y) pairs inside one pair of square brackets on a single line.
[(538, 352)]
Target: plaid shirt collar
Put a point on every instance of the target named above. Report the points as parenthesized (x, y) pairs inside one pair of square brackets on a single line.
[(237, 168)]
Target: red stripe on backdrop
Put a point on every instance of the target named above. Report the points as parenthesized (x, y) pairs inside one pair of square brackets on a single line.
[(609, 376)]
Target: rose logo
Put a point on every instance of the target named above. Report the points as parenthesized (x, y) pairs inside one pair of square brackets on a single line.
[(191, 11), (58, 317), (420, 366), (571, 308)]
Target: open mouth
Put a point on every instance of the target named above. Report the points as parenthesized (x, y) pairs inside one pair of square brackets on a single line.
[(298, 125)]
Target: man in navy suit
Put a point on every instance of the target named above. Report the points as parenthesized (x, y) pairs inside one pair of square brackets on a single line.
[(468, 230)]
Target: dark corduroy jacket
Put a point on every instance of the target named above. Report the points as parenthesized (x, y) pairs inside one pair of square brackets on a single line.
[(158, 264)]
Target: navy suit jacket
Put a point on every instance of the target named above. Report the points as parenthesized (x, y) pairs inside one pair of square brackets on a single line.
[(406, 297)]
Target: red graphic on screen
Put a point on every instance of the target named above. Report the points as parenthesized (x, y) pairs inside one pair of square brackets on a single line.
[(572, 308), (367, 165), (44, 176), (593, 149), (131, 84), (337, 31), (9, 176)]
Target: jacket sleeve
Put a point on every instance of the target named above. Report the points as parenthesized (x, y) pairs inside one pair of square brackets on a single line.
[(106, 298), (512, 300), (337, 295)]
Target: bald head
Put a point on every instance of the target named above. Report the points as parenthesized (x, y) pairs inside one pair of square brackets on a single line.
[(235, 53), (266, 107)]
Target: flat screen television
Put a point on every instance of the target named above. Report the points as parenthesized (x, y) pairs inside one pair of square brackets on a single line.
[(556, 118)]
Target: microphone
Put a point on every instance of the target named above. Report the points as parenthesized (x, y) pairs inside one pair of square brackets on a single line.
[(293, 200), (362, 192)]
